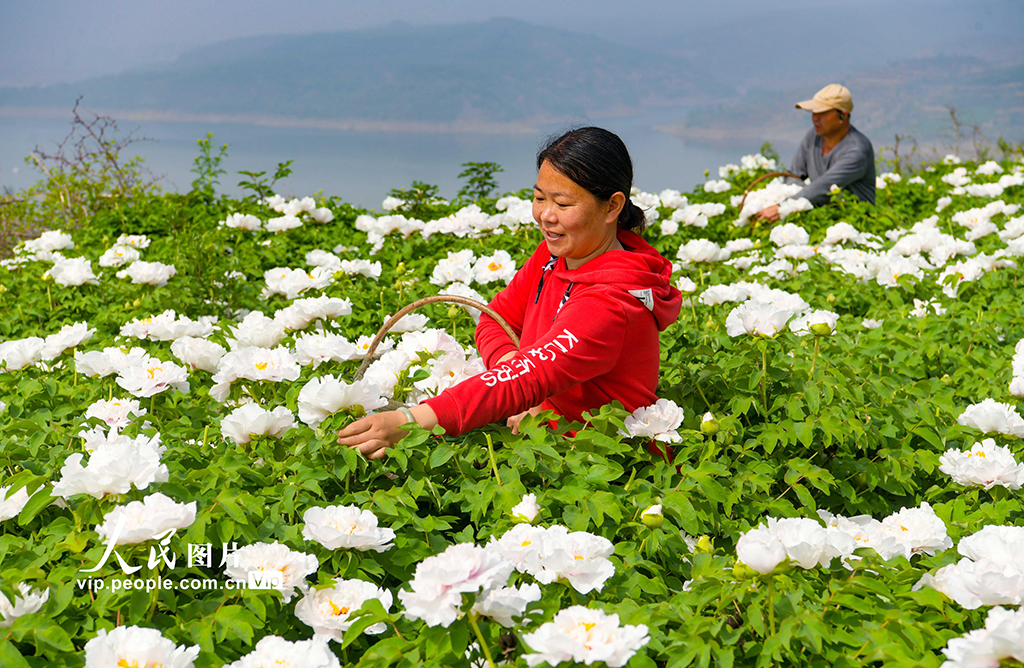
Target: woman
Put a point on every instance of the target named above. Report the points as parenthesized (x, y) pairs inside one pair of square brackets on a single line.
[(587, 305)]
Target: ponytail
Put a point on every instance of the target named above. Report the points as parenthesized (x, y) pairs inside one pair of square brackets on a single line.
[(632, 217)]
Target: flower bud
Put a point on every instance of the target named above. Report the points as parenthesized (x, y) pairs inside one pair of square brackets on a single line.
[(453, 312), (526, 511), (821, 329), (137, 303), (400, 269), (708, 424), (652, 517), (704, 544), (831, 299)]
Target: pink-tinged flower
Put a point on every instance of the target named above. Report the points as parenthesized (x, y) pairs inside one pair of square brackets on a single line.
[(439, 582)]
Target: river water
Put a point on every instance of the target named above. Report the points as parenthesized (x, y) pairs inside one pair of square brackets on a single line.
[(361, 167)]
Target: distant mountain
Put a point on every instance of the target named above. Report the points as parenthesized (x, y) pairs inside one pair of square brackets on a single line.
[(910, 98), (502, 70)]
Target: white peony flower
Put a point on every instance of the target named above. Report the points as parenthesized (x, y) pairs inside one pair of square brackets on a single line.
[(504, 603), (137, 646), (274, 558), (761, 550), (114, 466), (789, 235), (283, 223), (11, 506), (148, 273), (168, 326), (868, 323), (410, 322), (152, 378), (346, 528), (757, 318), (985, 465), (457, 266), (322, 397), (327, 611), (242, 221), (583, 635), (250, 420), (69, 336), (701, 250), (301, 312), (28, 603), (198, 353), (51, 240), (821, 323), (117, 413), (496, 267), (280, 653), (917, 530), (316, 349), (293, 282), (257, 331), (136, 241), (580, 558), (991, 416), (146, 519), (658, 421), (118, 256), (526, 510), (20, 353), (1001, 638), (437, 586), (71, 272), (362, 268)]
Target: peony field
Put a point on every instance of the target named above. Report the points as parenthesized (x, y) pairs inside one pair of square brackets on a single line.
[(831, 476)]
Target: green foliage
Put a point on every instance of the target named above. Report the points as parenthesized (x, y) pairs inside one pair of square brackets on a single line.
[(850, 423), (207, 166), (480, 182)]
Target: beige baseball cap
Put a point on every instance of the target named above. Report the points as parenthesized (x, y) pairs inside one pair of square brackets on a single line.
[(832, 96)]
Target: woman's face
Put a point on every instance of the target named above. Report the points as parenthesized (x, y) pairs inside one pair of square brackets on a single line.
[(576, 224)]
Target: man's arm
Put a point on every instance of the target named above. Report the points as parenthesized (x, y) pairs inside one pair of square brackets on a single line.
[(846, 167)]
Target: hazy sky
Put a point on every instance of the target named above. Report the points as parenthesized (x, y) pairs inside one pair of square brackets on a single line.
[(48, 41)]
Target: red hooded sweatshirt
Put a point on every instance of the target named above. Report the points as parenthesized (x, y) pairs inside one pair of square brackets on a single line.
[(588, 336)]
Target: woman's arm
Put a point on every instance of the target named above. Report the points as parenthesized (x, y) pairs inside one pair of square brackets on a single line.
[(373, 434)]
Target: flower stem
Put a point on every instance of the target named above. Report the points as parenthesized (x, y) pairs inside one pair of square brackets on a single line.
[(480, 639), (814, 360), (692, 310), (771, 605), (494, 462), (764, 376)]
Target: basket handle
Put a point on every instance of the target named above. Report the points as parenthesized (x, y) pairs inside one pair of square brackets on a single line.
[(769, 175), (455, 299)]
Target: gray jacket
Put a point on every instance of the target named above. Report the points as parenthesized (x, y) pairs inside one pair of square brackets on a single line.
[(850, 165)]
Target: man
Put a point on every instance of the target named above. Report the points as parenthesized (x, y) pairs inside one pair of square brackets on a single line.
[(832, 153)]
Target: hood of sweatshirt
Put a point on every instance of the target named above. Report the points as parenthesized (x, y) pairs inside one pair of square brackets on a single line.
[(641, 271)]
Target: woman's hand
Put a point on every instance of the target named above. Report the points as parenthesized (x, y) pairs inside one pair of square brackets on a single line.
[(374, 434), (514, 421)]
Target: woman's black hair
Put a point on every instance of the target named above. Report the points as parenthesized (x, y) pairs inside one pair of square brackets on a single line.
[(597, 161)]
